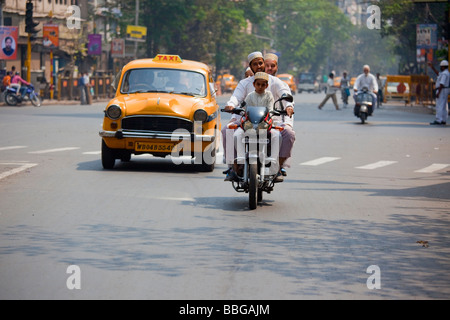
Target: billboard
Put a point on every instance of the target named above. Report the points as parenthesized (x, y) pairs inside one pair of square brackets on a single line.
[(136, 33), (8, 41), (117, 48), (426, 36), (94, 44), (50, 35)]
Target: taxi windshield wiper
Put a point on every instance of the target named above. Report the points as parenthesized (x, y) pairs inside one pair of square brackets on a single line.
[(185, 93)]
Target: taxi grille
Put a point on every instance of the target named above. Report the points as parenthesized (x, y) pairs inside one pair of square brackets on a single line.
[(161, 124)]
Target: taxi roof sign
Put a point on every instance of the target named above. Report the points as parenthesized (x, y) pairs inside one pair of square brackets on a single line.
[(167, 58)]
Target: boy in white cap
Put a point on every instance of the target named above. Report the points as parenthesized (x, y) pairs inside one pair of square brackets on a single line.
[(442, 90)]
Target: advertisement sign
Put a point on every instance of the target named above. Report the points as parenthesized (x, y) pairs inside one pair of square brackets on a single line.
[(50, 35), (136, 33), (8, 41), (117, 48), (426, 36), (95, 44)]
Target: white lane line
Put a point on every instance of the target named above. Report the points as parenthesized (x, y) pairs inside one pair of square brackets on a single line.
[(319, 161), (53, 150), (22, 167), (377, 165), (434, 167), (11, 148), (92, 152)]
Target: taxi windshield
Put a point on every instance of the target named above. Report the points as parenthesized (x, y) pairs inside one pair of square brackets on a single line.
[(174, 81)]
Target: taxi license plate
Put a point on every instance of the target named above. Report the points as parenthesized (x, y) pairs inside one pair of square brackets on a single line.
[(153, 147)]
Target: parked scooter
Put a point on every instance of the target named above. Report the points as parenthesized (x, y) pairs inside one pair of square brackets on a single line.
[(260, 167), (363, 106), (13, 97)]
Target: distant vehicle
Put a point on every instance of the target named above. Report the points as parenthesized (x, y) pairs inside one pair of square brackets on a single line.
[(307, 82), (289, 80), (227, 82)]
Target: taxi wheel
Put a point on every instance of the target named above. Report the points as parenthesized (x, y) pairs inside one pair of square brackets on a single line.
[(108, 157)]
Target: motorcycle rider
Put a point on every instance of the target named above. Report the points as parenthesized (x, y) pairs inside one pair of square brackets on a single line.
[(244, 87), (17, 79), (366, 80), (288, 134)]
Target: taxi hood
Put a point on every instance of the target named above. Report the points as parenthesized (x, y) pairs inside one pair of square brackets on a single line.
[(160, 104)]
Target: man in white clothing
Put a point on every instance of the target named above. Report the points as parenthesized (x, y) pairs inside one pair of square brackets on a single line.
[(366, 80), (442, 91)]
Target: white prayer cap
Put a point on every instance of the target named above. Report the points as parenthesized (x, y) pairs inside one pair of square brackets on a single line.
[(444, 63), (254, 55), (271, 56), (262, 75)]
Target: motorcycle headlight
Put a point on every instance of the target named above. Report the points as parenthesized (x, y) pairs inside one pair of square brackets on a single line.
[(247, 125), (113, 112), (200, 115), (263, 126)]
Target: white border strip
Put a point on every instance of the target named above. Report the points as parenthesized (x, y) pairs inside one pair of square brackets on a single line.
[(319, 161), (53, 150), (377, 165), (434, 167)]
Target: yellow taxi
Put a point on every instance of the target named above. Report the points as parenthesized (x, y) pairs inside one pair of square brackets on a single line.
[(227, 82), (289, 80), (164, 106)]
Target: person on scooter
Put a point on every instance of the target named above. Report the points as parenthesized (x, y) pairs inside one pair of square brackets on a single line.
[(276, 86), (17, 79), (366, 80)]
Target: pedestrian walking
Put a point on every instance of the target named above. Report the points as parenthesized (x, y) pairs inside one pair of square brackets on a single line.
[(442, 91), (82, 89), (331, 92), (345, 88)]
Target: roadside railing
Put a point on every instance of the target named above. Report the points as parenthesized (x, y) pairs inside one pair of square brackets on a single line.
[(100, 87)]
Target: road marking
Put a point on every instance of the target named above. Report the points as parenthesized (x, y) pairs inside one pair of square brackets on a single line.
[(434, 167), (54, 150), (377, 165), (22, 167), (11, 147), (92, 152), (319, 161)]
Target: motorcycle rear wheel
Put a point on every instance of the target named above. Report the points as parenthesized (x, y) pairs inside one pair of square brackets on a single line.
[(11, 99), (253, 186)]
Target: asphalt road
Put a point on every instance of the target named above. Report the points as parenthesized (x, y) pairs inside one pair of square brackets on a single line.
[(364, 213)]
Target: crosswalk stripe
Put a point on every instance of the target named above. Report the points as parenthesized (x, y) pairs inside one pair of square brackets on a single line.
[(92, 152), (53, 150), (11, 148), (22, 167), (319, 161), (377, 165), (434, 167)]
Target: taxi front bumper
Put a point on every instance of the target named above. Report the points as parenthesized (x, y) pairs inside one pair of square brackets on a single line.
[(122, 134)]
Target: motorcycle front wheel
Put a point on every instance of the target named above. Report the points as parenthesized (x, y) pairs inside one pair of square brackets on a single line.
[(11, 99), (35, 100), (363, 117), (253, 186)]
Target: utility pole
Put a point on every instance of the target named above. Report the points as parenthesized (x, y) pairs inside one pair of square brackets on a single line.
[(136, 21)]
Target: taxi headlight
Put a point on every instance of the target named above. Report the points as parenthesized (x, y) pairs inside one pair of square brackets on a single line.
[(263, 126), (200, 115), (247, 125), (113, 112)]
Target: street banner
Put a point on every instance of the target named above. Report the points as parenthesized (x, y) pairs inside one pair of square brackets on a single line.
[(426, 36), (95, 44), (136, 33), (117, 48), (50, 34), (8, 41)]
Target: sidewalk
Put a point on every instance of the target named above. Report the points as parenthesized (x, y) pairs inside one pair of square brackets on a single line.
[(53, 102), (417, 108)]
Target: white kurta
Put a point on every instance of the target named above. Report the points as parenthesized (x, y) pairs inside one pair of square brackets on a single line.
[(441, 102)]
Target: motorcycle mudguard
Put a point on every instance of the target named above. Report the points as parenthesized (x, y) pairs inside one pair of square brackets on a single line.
[(364, 109)]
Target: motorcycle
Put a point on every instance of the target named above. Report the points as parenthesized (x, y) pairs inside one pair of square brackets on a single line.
[(13, 97), (260, 166), (363, 105)]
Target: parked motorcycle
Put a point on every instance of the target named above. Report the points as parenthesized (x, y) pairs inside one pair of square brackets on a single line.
[(13, 97), (260, 167), (363, 105)]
